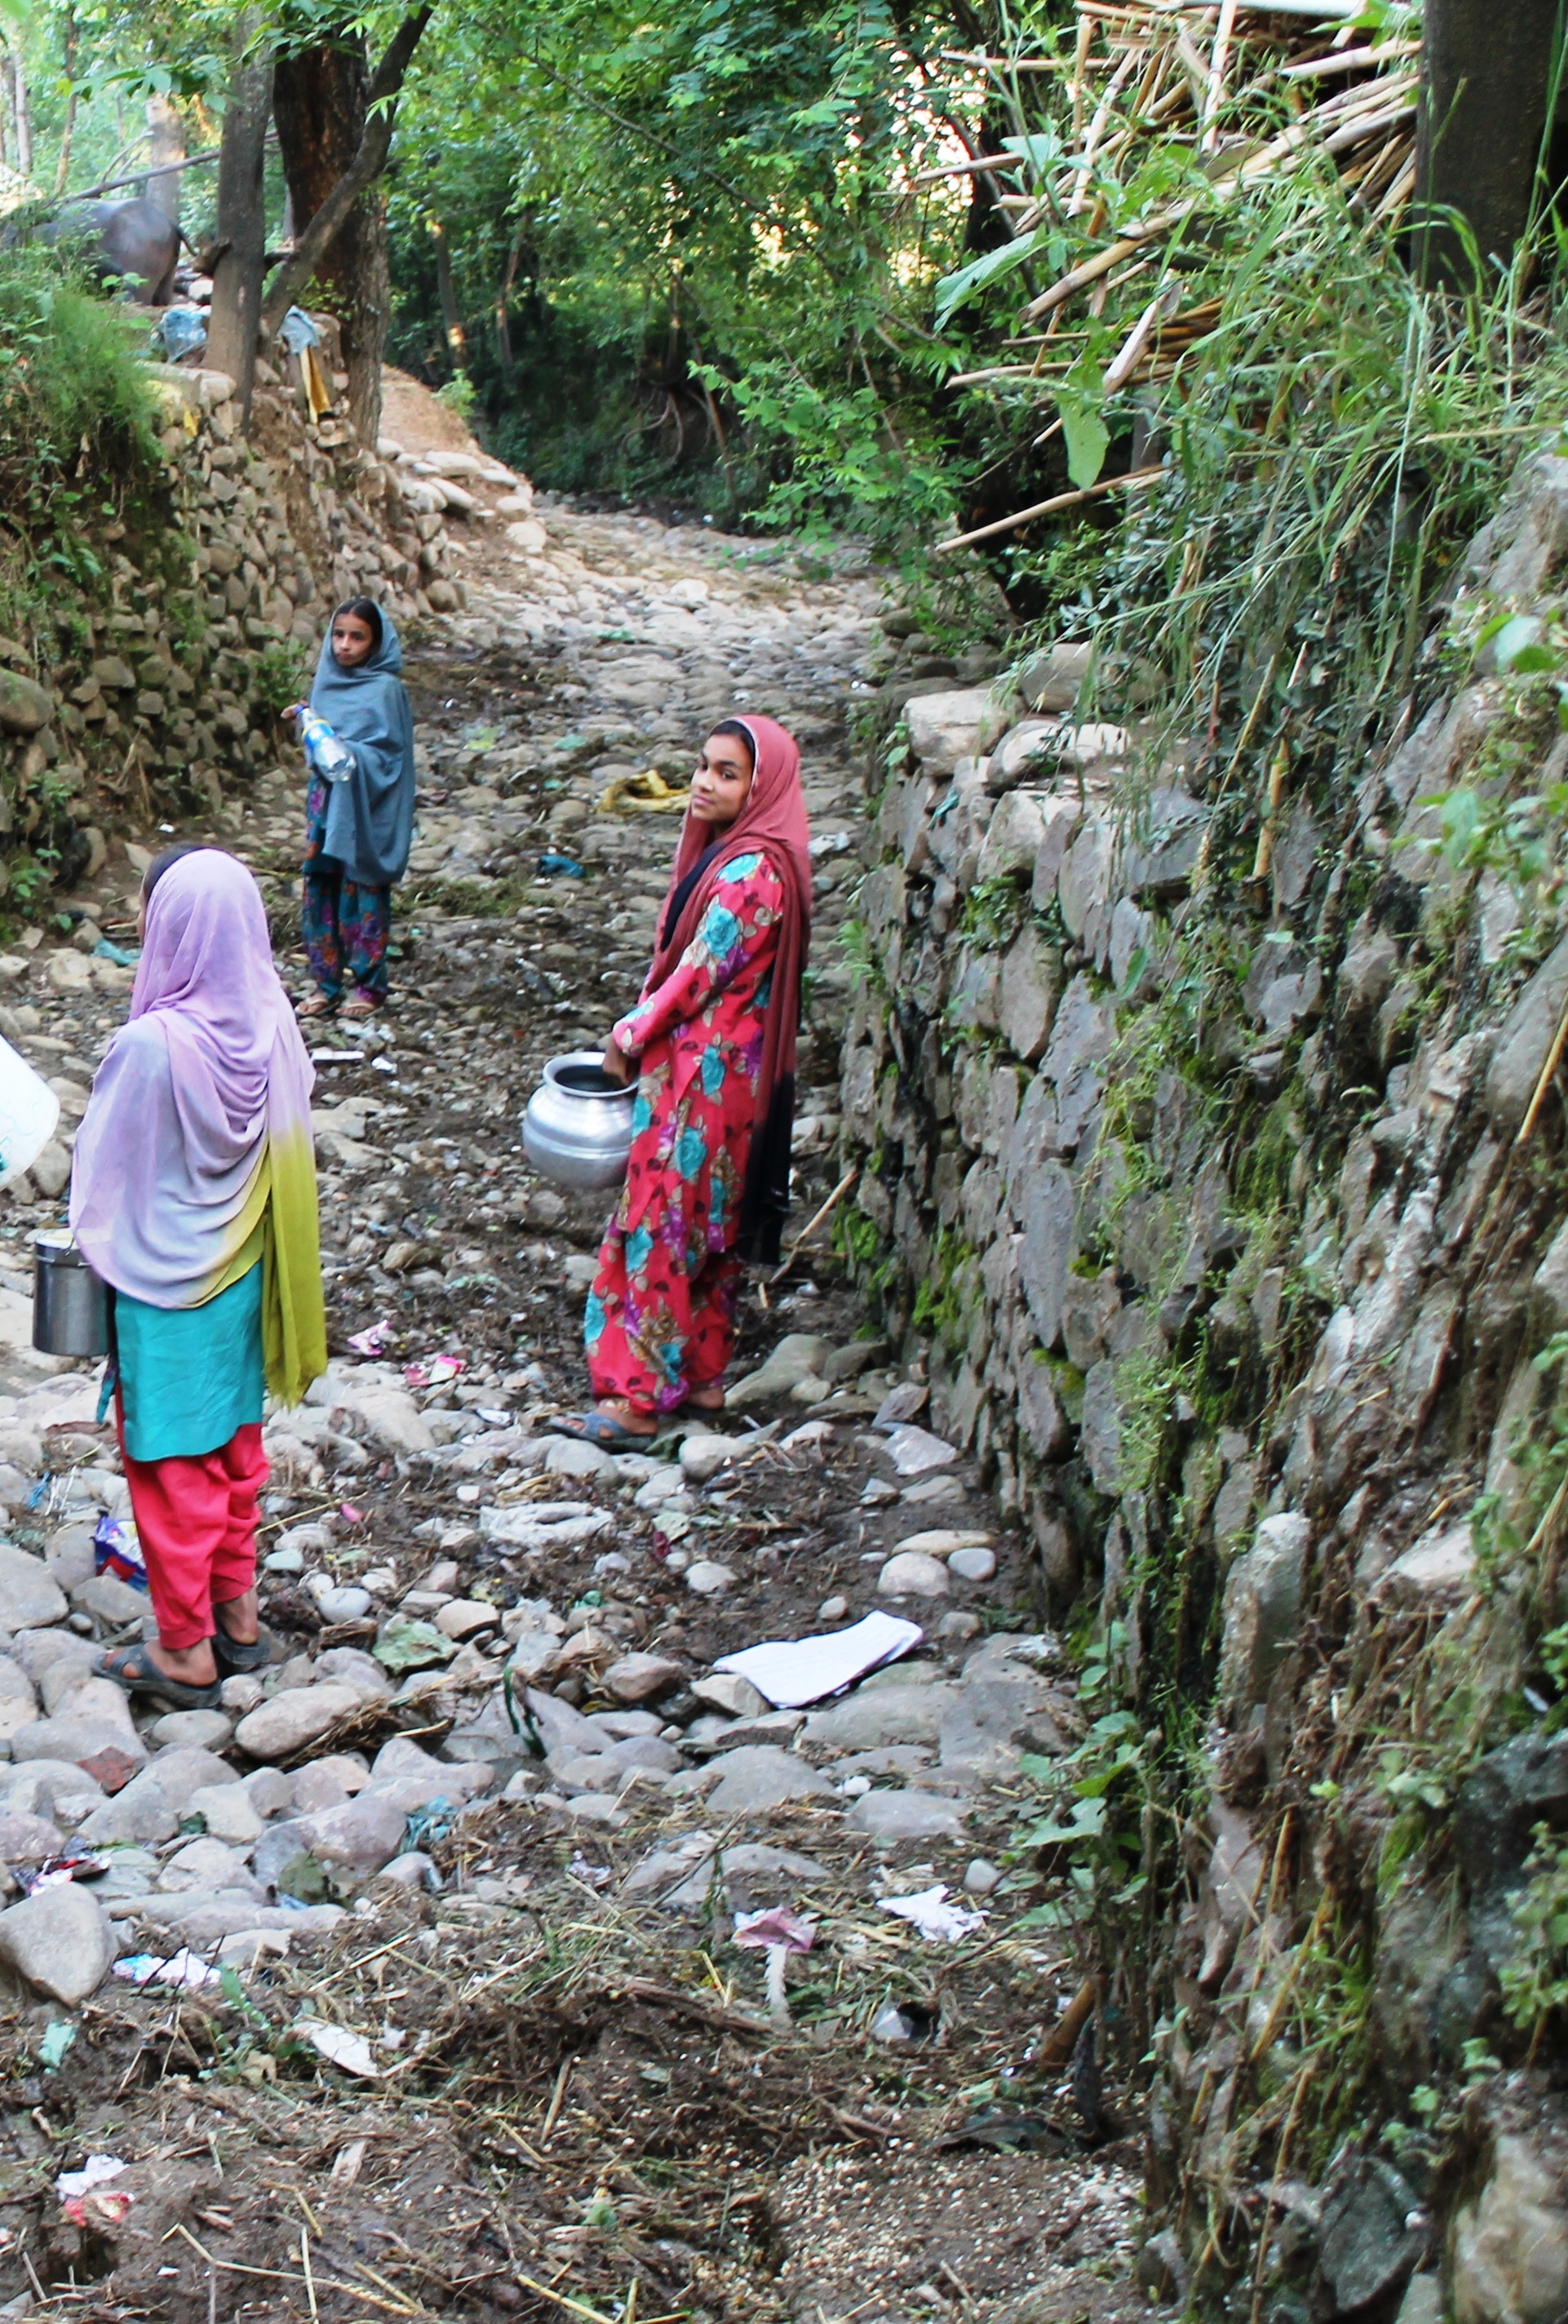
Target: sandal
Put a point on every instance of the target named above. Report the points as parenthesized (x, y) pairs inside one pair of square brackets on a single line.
[(712, 1402), (319, 1004), (133, 1668), (234, 1655), (360, 1006), (598, 1428)]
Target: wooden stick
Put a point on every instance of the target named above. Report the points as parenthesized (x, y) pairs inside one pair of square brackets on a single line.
[(1063, 2038), (1553, 1059), (963, 169), (1136, 482), (1219, 58), (809, 1228)]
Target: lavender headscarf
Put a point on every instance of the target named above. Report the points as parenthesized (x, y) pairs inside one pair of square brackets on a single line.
[(200, 1111)]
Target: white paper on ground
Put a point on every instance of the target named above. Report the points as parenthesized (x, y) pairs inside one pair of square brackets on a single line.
[(793, 1671), (939, 1923)]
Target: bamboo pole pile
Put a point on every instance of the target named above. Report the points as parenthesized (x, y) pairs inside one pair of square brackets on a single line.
[(1230, 100)]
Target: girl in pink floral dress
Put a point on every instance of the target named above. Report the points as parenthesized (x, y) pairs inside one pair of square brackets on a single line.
[(711, 1041)]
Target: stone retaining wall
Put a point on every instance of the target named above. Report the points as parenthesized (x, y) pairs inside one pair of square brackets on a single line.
[(159, 683), (1213, 1168)]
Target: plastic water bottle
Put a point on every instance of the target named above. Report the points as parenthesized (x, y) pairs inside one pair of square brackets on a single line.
[(328, 755)]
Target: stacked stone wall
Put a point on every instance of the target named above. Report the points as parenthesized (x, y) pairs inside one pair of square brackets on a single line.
[(154, 676), (1215, 1166)]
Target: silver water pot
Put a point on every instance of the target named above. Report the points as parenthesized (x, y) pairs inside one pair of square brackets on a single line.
[(70, 1304), (576, 1131)]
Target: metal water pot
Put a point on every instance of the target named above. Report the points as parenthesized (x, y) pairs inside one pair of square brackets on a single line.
[(576, 1131), (70, 1304)]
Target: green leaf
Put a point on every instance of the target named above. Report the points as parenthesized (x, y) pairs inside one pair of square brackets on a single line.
[(955, 289), (1088, 439)]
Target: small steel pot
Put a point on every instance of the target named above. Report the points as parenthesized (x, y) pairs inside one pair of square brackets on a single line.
[(577, 1129), (70, 1304)]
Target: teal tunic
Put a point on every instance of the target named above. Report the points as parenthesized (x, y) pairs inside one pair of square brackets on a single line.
[(190, 1377)]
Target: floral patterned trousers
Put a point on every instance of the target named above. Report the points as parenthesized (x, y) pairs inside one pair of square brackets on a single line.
[(653, 1340), (347, 928)]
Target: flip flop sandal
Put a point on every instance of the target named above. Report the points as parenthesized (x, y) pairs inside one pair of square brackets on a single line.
[(598, 1428), (234, 1655), (318, 1005), (133, 1668), (359, 1007)]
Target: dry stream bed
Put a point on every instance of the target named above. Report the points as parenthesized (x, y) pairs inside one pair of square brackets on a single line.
[(519, 2067)]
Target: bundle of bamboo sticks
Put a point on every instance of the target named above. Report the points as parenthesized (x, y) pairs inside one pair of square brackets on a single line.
[(1238, 97)]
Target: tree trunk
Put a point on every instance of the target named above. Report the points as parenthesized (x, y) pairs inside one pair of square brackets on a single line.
[(240, 268), (22, 115), (320, 98), (324, 97), (1487, 73), (67, 131), (165, 143), (503, 351), (451, 313)]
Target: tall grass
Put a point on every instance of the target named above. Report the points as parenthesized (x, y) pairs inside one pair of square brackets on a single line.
[(73, 394), (1336, 442)]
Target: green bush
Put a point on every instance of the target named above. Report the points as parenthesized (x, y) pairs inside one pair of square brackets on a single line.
[(74, 400)]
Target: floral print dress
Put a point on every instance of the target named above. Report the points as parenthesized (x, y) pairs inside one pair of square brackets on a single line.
[(661, 1316)]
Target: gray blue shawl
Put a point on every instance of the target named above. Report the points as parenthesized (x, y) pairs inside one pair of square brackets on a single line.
[(370, 818)]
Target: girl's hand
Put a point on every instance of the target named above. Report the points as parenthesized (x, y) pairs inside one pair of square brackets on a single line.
[(616, 1064)]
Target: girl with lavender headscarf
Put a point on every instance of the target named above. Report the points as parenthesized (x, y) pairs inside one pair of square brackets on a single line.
[(193, 1194)]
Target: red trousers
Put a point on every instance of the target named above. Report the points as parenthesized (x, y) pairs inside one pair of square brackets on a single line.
[(196, 1519)]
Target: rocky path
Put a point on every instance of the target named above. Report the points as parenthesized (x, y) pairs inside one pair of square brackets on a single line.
[(466, 1863)]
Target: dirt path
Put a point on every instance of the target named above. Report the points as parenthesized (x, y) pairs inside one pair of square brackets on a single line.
[(526, 2066)]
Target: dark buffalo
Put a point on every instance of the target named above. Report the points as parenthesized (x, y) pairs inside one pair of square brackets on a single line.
[(132, 240)]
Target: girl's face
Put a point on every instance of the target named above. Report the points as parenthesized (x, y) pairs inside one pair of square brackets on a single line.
[(723, 781), (352, 639)]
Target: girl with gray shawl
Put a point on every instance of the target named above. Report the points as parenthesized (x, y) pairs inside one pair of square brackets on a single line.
[(359, 735)]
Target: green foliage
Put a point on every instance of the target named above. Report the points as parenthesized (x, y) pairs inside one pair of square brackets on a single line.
[(1535, 1982), (74, 400), (458, 395), (282, 674)]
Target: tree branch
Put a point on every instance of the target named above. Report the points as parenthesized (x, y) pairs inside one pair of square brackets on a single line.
[(364, 169)]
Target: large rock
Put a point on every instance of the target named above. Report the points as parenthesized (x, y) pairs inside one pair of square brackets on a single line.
[(1262, 1609), (1525, 1042), (276, 1729), (799, 1356), (944, 728), (1508, 2260), (24, 706), (1032, 980), (909, 1573), (639, 1678), (759, 1777), (186, 1769), (878, 1716), (905, 1815), (1013, 835), (1366, 2249), (1047, 1205), (29, 1596), (58, 1943), (1500, 1803), (360, 1836)]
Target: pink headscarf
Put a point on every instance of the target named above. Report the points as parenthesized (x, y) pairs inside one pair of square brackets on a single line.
[(208, 1072)]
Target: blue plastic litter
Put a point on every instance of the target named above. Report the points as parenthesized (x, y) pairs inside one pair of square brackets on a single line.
[(105, 950), (426, 1825), (182, 330), (550, 862)]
